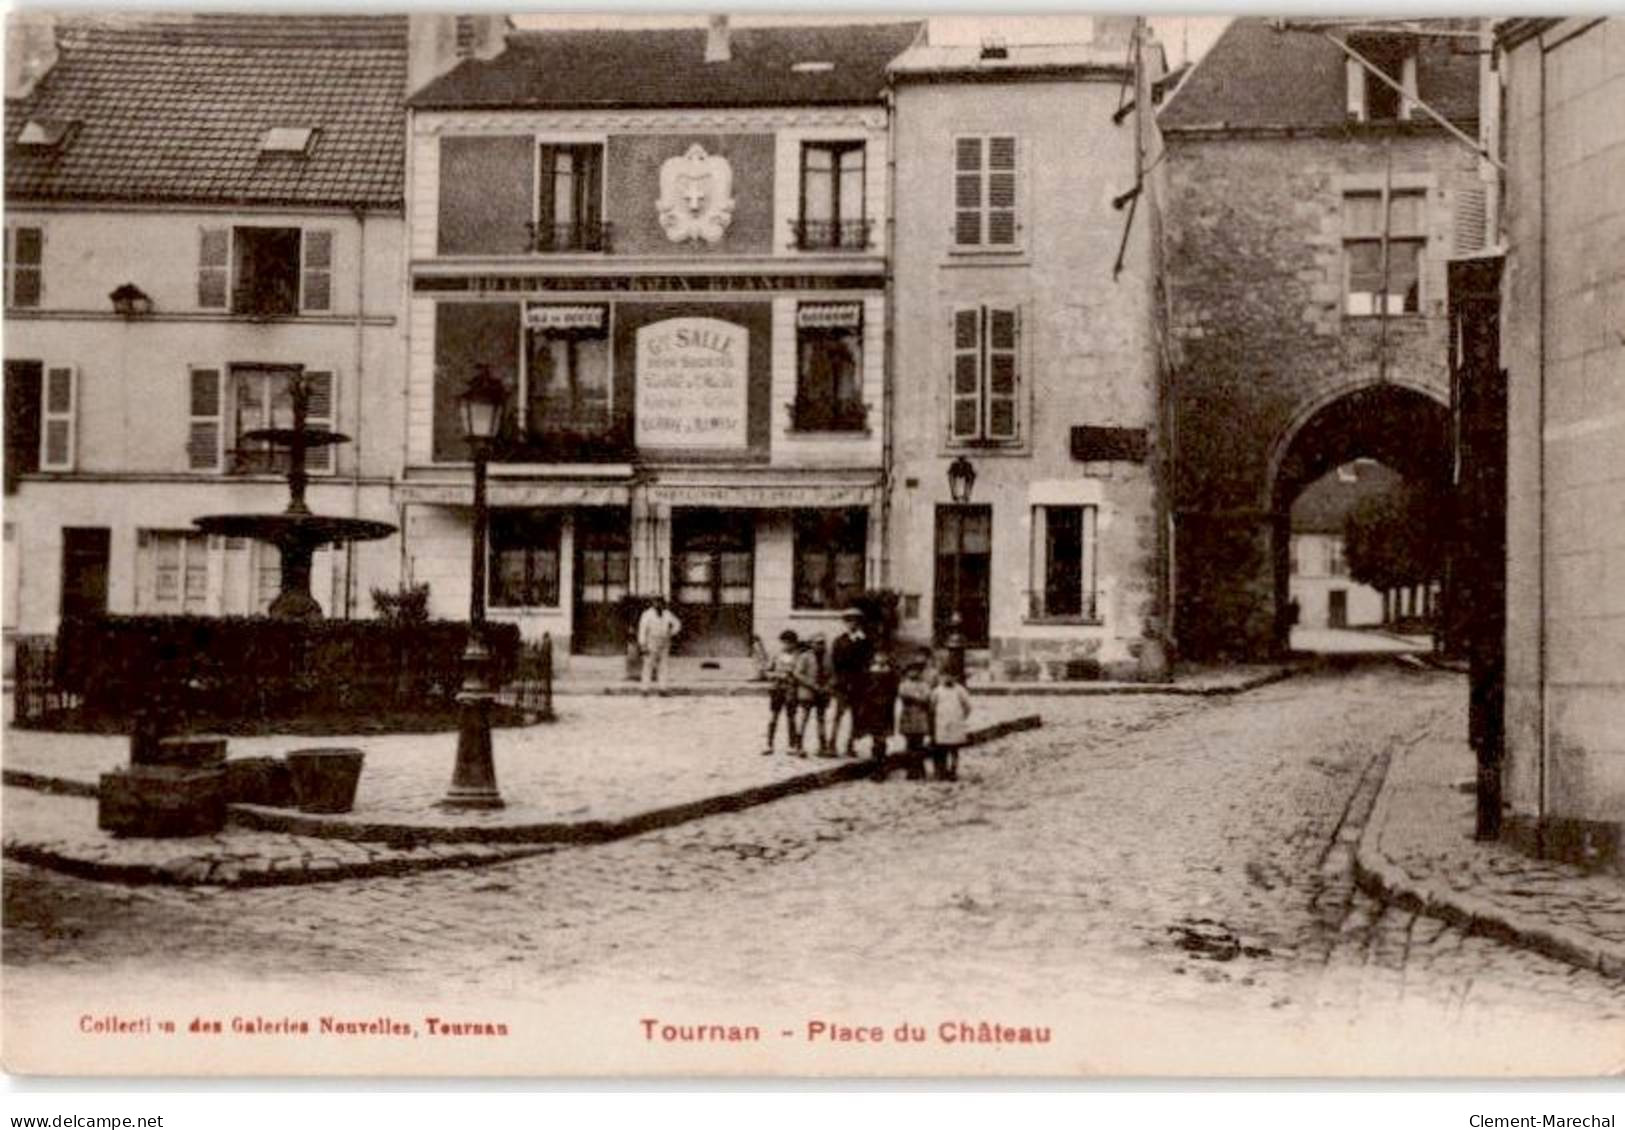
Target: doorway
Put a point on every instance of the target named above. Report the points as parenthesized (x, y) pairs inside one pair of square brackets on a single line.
[(1337, 608), (603, 551), (964, 571), (713, 566), (85, 554)]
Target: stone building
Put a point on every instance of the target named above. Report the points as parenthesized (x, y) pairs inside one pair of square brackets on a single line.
[(1562, 345), (670, 245), (1311, 210), (1025, 344), (196, 207)]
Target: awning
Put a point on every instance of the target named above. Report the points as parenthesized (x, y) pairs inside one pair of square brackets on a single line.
[(762, 495), (499, 493)]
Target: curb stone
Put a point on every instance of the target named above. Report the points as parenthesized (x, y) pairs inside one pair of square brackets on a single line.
[(1384, 880), (442, 847)]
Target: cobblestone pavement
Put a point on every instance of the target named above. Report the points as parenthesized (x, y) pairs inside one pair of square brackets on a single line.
[(1134, 854)]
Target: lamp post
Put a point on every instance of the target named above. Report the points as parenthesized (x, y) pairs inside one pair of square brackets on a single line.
[(474, 779), (961, 480)]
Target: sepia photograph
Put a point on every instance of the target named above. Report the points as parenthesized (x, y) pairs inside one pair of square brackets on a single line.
[(813, 545)]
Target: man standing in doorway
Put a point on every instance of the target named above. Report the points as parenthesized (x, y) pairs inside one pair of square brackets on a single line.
[(849, 659), (657, 627)]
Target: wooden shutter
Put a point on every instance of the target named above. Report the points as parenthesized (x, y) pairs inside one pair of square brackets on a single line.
[(25, 256), (317, 283), (214, 268), (965, 410), (1001, 192), (319, 417), (1471, 234), (1003, 372), (59, 404), (968, 191), (547, 161), (205, 420)]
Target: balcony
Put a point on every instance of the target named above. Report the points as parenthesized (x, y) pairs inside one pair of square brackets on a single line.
[(813, 415), (585, 440), (831, 235), (582, 237)]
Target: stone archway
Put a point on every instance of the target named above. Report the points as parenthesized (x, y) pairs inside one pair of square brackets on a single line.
[(1408, 428)]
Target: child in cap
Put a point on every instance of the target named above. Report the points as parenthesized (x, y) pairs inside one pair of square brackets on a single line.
[(914, 715), (950, 709), (781, 671)]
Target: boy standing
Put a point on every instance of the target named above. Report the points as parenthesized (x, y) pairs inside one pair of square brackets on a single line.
[(914, 715), (781, 670), (950, 708)]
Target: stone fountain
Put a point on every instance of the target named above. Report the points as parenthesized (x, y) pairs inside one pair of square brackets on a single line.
[(296, 532)]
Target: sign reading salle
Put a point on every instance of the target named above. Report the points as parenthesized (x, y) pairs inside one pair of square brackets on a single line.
[(691, 383)]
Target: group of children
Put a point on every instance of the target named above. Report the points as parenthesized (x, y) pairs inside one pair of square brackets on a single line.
[(928, 706)]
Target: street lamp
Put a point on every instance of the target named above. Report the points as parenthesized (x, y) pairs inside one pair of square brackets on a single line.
[(961, 480), (474, 779)]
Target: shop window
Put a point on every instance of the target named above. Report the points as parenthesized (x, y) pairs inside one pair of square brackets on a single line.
[(1063, 564), (1384, 236), (832, 209), (524, 559), (265, 272), (831, 549), (829, 368)]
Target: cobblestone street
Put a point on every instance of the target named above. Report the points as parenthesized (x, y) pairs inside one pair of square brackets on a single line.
[(1136, 853)]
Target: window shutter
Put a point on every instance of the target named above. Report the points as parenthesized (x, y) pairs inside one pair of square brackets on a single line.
[(214, 268), (319, 417), (968, 191), (1469, 236), (546, 204), (204, 429), (1001, 191), (318, 269), (1003, 371), (966, 401), (57, 419), (25, 255)]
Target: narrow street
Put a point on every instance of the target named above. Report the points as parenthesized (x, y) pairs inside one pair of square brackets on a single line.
[(1136, 853)]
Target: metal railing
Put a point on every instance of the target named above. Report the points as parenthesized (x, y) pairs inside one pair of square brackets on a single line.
[(531, 689), (579, 235), (831, 235)]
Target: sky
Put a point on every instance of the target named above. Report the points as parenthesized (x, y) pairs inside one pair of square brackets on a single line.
[(1181, 36)]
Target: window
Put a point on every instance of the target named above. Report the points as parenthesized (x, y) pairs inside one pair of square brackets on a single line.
[(172, 572), (566, 379), (569, 208), (524, 559), (1369, 98), (264, 272), (1063, 564), (1336, 564), (986, 375), (831, 548), (829, 368), (24, 266), (296, 141), (832, 210), (985, 193), (41, 135), (253, 397), (1384, 234)]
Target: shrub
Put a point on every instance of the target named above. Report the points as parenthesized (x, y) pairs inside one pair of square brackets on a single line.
[(214, 669), (408, 604)]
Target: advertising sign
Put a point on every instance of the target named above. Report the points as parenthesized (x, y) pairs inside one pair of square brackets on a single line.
[(691, 383)]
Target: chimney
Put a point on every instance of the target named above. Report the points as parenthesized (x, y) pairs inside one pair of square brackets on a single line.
[(717, 46), (437, 42), (30, 51)]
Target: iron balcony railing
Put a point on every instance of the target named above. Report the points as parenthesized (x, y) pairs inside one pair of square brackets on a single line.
[(581, 235), (831, 235)]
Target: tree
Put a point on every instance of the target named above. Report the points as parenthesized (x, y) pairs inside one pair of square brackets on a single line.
[(1396, 538)]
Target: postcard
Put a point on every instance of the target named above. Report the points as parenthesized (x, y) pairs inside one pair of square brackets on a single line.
[(813, 545)]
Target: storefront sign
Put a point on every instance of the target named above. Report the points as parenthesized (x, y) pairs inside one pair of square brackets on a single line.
[(829, 316), (566, 317), (764, 495), (641, 284), (517, 494), (691, 383)]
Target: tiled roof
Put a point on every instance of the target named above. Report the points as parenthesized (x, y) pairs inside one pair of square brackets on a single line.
[(1255, 77), (1326, 502), (667, 67), (924, 60), (173, 109)]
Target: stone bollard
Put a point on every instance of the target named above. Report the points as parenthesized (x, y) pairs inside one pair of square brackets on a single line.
[(176, 788)]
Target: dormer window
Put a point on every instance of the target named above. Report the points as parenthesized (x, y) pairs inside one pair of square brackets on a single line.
[(1369, 98), (294, 141), (40, 135)]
